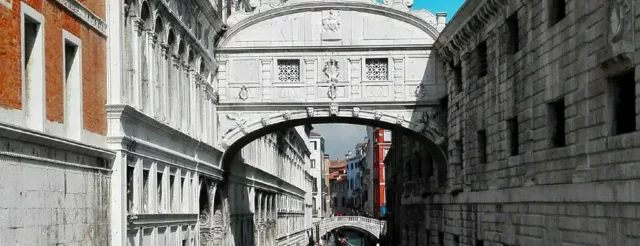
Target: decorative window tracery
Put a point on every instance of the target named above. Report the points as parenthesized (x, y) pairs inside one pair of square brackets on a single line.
[(289, 70), (377, 69)]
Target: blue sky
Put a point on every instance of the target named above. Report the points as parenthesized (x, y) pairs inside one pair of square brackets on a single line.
[(448, 6)]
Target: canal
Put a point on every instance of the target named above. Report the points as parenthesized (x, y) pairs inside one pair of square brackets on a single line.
[(354, 238)]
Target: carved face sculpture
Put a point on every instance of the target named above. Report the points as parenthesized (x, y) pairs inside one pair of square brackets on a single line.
[(310, 112), (378, 115), (356, 112), (333, 109)]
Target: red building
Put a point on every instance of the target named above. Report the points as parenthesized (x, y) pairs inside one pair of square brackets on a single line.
[(381, 142)]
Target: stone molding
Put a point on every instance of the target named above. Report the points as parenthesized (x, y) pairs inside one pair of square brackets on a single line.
[(39, 138), (423, 19), (457, 35), (84, 14), (350, 48), (143, 220)]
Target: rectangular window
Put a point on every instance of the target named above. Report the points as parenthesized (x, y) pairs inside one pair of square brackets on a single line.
[(483, 66), (159, 187), (482, 146), (289, 70), (33, 80), (479, 242), (440, 238), (145, 191), (513, 33), (130, 190), (377, 69), (556, 123), (387, 136), (313, 163), (623, 98), (456, 240), (314, 145), (172, 193), (557, 11), (72, 60), (512, 125)]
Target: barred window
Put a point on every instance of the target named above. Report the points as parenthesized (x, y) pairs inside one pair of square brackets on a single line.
[(377, 69), (289, 70)]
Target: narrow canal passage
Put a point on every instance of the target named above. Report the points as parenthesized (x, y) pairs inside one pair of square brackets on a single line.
[(354, 238)]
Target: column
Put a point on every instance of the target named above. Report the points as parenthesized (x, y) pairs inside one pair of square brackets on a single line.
[(137, 186), (151, 70), (174, 91)]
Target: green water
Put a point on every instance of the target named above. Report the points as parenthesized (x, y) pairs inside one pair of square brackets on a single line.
[(353, 237)]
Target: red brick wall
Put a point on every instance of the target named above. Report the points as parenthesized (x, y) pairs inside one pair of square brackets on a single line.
[(93, 61)]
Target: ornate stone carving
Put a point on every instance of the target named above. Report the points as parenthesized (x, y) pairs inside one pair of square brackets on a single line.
[(244, 93), (408, 3), (286, 115), (399, 119), (419, 91), (619, 19), (333, 109), (377, 115), (332, 92), (265, 121), (332, 70), (355, 111), (310, 112), (332, 22), (239, 122)]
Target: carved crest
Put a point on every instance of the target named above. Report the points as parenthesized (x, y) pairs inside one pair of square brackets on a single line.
[(333, 109), (332, 92), (310, 112), (244, 93), (332, 22), (332, 70), (356, 111)]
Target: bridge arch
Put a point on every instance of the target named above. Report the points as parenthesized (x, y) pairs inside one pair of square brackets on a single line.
[(371, 226), (424, 128)]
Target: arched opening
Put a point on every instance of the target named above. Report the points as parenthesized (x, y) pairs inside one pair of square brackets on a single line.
[(204, 204), (159, 27)]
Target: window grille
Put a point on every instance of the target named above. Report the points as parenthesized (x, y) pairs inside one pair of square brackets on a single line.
[(289, 70), (377, 69)]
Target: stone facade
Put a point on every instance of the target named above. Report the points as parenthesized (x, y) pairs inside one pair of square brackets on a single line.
[(54, 166), (541, 150)]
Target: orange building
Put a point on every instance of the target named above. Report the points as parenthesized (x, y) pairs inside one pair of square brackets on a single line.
[(381, 139)]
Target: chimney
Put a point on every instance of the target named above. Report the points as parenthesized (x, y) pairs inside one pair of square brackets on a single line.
[(441, 20)]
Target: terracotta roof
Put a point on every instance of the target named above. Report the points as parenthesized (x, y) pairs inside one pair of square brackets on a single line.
[(314, 134), (337, 164)]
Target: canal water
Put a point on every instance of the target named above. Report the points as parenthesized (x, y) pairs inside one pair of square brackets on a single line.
[(354, 238)]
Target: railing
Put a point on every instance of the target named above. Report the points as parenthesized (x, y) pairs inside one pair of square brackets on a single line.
[(373, 226)]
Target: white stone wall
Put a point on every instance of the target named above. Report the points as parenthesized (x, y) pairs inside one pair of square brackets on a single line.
[(53, 191)]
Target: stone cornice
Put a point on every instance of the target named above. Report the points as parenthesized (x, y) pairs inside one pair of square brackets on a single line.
[(465, 24), (260, 106), (227, 50), (39, 138), (84, 14)]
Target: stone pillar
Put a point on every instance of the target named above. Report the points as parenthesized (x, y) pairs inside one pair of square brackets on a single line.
[(134, 92)]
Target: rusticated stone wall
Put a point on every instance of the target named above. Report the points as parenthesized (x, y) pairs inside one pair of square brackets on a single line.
[(581, 193)]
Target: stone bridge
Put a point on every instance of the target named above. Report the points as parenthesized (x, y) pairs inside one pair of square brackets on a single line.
[(372, 226)]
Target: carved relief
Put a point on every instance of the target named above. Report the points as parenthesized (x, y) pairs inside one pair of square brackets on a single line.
[(332, 92), (310, 112), (265, 121), (239, 123), (332, 70), (356, 111), (331, 26), (244, 93), (619, 19), (333, 109), (286, 115), (377, 115)]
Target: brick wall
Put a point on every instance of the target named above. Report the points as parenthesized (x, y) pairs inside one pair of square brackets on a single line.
[(584, 193), (93, 60)]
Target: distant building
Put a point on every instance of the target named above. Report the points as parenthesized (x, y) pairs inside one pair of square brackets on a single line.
[(356, 192), (338, 185), (379, 144), (317, 171)]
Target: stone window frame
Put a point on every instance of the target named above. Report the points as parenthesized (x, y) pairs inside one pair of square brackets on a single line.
[(611, 80), (33, 91), (553, 17), (483, 153), (365, 68), (552, 121), (277, 69), (72, 89)]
